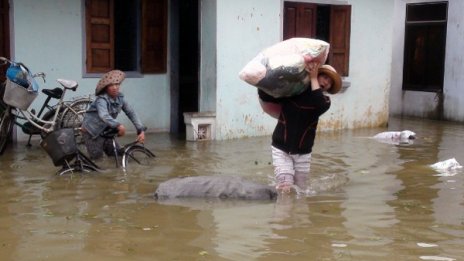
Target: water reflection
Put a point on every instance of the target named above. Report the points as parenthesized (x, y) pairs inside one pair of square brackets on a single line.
[(367, 201)]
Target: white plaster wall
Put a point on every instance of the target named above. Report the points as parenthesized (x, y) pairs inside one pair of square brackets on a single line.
[(243, 29), (246, 27), (208, 55), (365, 102), (424, 104), (454, 63), (48, 36)]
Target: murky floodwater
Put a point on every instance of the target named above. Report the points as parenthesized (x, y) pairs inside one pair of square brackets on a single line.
[(383, 202)]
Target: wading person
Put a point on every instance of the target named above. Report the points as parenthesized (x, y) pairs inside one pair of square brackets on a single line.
[(294, 134), (102, 115)]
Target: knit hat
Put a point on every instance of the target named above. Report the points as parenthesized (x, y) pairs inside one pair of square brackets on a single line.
[(111, 77), (332, 73)]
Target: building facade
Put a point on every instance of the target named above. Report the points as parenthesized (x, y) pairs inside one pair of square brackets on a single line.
[(184, 56)]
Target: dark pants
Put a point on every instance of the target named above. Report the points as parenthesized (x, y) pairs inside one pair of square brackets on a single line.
[(96, 146)]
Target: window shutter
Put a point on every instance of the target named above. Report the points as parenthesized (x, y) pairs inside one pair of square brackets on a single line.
[(299, 20), (4, 35), (154, 36), (100, 35), (340, 24)]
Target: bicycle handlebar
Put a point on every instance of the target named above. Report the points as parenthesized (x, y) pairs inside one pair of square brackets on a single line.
[(111, 133), (5, 60), (41, 75)]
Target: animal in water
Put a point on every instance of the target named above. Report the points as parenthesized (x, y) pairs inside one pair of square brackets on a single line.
[(222, 187), (396, 137)]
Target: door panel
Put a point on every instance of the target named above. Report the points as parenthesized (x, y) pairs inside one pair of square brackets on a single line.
[(4, 34)]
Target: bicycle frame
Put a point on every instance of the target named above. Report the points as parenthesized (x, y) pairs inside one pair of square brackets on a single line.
[(81, 163), (126, 149), (66, 105), (49, 125), (42, 124)]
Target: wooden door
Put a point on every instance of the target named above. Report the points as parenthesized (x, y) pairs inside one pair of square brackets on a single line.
[(4, 35), (311, 21)]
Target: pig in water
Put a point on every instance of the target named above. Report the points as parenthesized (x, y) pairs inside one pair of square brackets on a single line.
[(223, 187), (396, 137)]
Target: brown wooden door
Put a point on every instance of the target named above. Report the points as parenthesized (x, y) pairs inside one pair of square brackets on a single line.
[(100, 35), (301, 20), (4, 35), (340, 20)]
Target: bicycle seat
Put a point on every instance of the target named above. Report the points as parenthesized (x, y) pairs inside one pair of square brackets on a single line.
[(68, 84), (109, 133), (54, 93)]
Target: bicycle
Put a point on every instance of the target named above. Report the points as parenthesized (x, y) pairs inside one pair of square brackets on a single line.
[(15, 100), (62, 148), (72, 159)]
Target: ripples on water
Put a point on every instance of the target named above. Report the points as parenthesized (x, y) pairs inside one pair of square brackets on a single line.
[(366, 201)]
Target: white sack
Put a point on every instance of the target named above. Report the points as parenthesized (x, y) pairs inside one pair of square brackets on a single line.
[(279, 70)]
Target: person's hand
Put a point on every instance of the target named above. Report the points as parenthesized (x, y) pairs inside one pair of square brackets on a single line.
[(141, 137), (307, 59), (313, 69), (121, 130)]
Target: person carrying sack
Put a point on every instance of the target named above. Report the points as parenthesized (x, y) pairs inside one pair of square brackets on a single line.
[(298, 116)]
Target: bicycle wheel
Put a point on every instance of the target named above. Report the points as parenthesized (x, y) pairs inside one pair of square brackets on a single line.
[(73, 114), (2, 93), (76, 168), (137, 154), (6, 127), (80, 163)]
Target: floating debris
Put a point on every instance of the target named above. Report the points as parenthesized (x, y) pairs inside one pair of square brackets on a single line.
[(437, 258), (339, 245), (448, 164), (426, 245)]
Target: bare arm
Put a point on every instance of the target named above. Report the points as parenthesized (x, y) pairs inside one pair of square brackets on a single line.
[(313, 69)]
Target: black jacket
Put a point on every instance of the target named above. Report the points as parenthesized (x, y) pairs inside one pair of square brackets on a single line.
[(297, 124)]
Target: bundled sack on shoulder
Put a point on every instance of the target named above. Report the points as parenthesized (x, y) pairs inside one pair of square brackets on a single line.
[(280, 70)]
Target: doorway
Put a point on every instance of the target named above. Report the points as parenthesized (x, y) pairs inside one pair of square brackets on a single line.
[(425, 47), (184, 62)]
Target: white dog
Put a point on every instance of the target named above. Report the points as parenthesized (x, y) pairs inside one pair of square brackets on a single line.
[(396, 137)]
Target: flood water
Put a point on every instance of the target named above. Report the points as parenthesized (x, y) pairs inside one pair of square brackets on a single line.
[(368, 201)]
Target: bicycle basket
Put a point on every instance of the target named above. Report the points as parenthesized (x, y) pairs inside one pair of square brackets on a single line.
[(60, 145), (18, 96)]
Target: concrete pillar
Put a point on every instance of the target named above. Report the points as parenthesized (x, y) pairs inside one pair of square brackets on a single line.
[(200, 125)]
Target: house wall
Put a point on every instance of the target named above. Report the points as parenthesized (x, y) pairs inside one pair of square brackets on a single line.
[(48, 36), (243, 29), (246, 27), (232, 33), (427, 104), (208, 56)]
